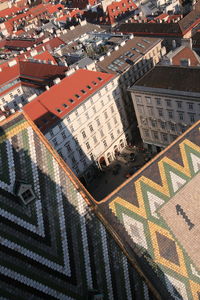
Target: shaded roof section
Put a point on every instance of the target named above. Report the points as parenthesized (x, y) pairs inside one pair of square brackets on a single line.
[(121, 59), (162, 29), (171, 77), (63, 97), (148, 211), (53, 247)]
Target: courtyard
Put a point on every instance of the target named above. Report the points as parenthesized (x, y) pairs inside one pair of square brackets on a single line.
[(127, 163)]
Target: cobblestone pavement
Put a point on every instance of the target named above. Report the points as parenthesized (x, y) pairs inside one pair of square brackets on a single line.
[(106, 181)]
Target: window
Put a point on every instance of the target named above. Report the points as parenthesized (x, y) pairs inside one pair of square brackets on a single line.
[(109, 126), (83, 91), (170, 114), (64, 105), (91, 127), (80, 152), (87, 115), (63, 135), (77, 96), (94, 82), (27, 196), (89, 87), (18, 90), (94, 139), (73, 159), (101, 133), (58, 110), (3, 100), (87, 145), (76, 113), (164, 137), (69, 149), (102, 103), (68, 119), (153, 123), (158, 101), (190, 106), (94, 109), (98, 122), (112, 109), (150, 111), (138, 99), (105, 115), (54, 141), (83, 134), (168, 102), (112, 136), (140, 109), (162, 124), (192, 118), (146, 132), (84, 106), (105, 144), (60, 126), (160, 112), (155, 135), (181, 116), (72, 128), (51, 132), (179, 104), (99, 94), (11, 95), (71, 100), (115, 120), (148, 100), (172, 126)]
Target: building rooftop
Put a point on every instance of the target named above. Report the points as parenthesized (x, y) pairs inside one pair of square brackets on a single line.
[(64, 96), (121, 59), (52, 244), (184, 53), (155, 215), (171, 77)]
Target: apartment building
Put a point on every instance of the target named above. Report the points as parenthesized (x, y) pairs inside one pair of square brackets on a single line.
[(166, 102), (131, 59), (83, 118)]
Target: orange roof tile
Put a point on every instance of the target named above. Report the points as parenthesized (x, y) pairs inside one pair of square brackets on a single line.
[(186, 53), (60, 94), (46, 56)]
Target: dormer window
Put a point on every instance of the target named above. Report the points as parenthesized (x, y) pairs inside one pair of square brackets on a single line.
[(94, 82), (83, 91), (99, 78), (89, 87), (77, 96), (58, 110), (71, 100), (64, 105), (25, 192)]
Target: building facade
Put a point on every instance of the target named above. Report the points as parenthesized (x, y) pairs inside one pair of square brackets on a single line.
[(91, 127), (166, 104), (131, 60)]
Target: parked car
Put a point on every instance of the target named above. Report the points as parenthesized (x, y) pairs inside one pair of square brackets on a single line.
[(116, 169)]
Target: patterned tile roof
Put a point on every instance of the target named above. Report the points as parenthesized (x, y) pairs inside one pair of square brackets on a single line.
[(53, 247), (155, 216)]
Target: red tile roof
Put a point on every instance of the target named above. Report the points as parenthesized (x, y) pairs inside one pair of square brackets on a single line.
[(61, 93), (54, 8), (71, 14), (118, 8), (9, 11), (186, 53), (45, 56), (22, 43)]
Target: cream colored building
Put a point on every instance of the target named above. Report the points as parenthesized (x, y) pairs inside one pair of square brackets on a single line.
[(166, 103), (88, 128)]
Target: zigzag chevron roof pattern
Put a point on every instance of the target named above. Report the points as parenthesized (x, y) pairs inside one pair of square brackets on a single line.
[(53, 247), (144, 231)]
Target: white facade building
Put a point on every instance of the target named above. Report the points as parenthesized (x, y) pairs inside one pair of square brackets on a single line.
[(166, 102), (90, 130)]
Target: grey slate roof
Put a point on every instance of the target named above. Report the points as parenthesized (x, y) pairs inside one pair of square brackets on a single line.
[(53, 247)]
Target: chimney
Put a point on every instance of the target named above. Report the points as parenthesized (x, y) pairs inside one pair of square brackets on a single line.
[(12, 63), (57, 80)]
